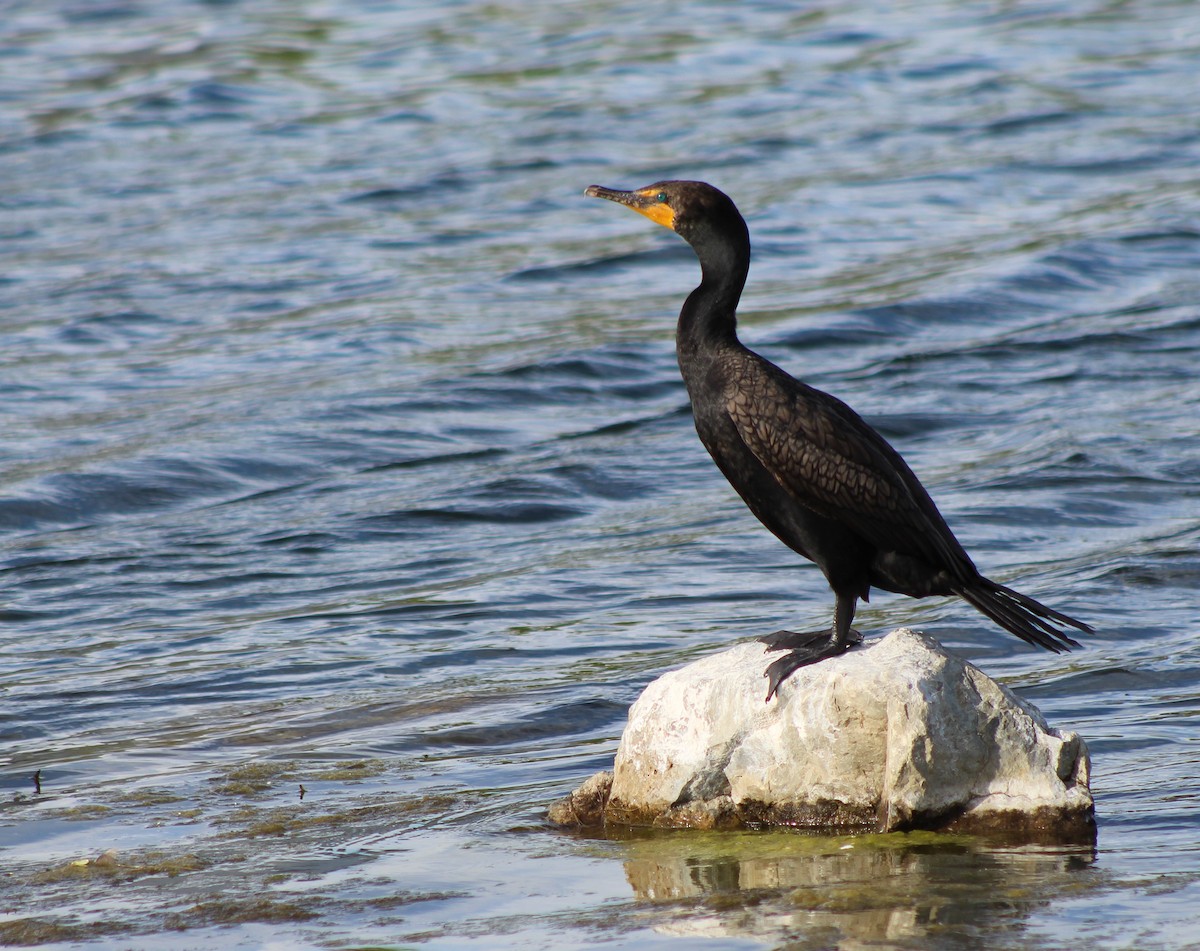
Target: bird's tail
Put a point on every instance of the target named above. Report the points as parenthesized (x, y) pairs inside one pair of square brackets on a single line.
[(1021, 615)]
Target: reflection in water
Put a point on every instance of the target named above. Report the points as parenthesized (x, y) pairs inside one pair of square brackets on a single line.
[(900, 888)]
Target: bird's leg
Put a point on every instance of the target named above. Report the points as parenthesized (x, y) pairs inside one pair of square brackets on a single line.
[(811, 647)]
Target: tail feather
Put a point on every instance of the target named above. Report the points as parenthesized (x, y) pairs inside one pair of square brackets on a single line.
[(1021, 615)]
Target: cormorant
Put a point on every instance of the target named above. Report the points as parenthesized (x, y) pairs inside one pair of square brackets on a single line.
[(812, 471)]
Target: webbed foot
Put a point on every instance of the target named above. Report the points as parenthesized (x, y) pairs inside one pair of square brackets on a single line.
[(803, 650)]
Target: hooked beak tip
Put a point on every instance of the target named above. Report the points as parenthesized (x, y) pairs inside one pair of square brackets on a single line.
[(599, 191)]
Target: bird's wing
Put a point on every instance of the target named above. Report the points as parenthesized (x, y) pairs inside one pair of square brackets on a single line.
[(832, 462)]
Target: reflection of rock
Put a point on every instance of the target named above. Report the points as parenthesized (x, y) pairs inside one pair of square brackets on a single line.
[(906, 890), (897, 735)]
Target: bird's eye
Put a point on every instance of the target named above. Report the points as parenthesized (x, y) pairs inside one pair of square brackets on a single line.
[(661, 197)]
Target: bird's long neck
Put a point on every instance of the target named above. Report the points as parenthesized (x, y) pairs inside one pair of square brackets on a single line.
[(709, 316)]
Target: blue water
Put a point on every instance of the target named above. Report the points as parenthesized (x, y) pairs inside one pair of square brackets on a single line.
[(344, 448)]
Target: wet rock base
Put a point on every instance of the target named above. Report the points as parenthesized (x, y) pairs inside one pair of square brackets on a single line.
[(896, 735)]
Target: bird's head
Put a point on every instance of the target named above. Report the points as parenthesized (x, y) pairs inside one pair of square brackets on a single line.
[(695, 211)]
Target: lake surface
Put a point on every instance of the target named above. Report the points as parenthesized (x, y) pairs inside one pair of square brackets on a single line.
[(349, 493)]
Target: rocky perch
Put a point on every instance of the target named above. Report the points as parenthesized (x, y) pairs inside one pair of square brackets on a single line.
[(893, 736)]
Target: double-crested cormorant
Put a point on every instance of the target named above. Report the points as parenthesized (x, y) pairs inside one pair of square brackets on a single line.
[(812, 471)]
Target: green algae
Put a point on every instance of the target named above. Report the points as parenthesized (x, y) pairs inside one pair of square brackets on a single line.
[(148, 798), (285, 820), (251, 779), (111, 865), (23, 932), (238, 910), (362, 769)]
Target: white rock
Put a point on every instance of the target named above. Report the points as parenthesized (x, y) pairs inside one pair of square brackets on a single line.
[(897, 734)]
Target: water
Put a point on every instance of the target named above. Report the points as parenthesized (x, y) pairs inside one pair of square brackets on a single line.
[(344, 451)]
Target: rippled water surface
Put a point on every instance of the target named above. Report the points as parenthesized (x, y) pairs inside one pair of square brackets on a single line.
[(349, 495)]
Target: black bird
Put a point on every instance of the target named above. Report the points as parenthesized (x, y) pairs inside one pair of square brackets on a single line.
[(812, 471)]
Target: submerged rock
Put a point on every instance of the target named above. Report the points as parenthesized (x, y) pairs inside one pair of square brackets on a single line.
[(895, 735)]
